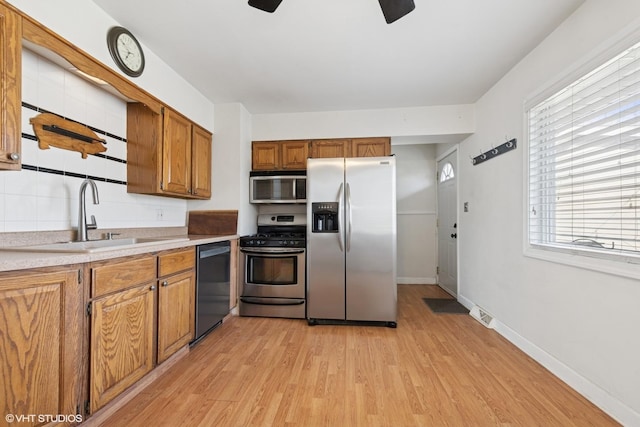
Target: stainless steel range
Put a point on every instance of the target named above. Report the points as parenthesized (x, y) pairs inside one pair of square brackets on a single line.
[(273, 267)]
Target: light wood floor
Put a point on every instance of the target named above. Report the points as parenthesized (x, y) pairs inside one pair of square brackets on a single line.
[(433, 370)]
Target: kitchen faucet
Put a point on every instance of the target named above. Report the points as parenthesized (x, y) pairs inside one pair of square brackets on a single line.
[(83, 227)]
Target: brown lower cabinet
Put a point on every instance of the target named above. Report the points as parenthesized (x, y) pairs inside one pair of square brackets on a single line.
[(141, 313), (41, 343), (72, 338), (176, 301)]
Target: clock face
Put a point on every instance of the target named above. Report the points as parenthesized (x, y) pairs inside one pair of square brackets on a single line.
[(125, 51)]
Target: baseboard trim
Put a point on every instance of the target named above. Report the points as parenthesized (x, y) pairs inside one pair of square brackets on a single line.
[(416, 280), (598, 396)]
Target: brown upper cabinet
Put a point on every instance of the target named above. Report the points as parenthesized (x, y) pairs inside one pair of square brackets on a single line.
[(371, 147), (167, 154), (279, 155), (10, 88), (354, 147), (329, 148), (293, 154)]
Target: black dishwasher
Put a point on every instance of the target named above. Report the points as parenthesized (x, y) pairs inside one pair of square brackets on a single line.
[(212, 285)]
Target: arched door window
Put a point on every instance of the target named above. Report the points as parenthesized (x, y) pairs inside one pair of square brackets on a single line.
[(447, 172)]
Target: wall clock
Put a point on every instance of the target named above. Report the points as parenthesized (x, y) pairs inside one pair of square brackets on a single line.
[(125, 51)]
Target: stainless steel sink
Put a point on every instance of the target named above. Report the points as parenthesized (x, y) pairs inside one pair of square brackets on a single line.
[(95, 245)]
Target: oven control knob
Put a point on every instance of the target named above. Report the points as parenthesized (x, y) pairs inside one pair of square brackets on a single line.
[(291, 242)]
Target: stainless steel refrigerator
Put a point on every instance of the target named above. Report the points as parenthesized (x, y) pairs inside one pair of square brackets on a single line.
[(351, 240)]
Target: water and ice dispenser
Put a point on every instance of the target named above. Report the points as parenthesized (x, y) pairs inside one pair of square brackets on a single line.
[(325, 217)]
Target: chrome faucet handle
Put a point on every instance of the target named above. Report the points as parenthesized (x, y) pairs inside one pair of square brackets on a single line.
[(93, 224)]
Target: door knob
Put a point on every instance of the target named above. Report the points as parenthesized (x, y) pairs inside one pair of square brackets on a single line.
[(454, 235)]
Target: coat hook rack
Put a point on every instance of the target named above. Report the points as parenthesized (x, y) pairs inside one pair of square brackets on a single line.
[(490, 154)]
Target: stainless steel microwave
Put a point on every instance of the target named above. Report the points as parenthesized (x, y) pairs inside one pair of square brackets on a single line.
[(277, 188)]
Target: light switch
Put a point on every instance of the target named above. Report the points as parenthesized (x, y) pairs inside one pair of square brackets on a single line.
[(466, 206)]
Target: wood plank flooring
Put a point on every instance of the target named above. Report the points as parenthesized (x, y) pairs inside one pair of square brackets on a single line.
[(433, 370)]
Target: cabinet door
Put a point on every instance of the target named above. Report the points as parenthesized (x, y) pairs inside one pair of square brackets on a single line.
[(330, 148), (176, 321), (41, 343), (144, 149), (10, 89), (294, 154), (201, 163), (176, 154), (265, 156), (122, 329), (370, 147)]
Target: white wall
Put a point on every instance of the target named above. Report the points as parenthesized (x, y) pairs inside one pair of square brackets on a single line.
[(423, 121), (412, 131), (85, 25), (47, 198), (232, 164), (580, 323), (416, 213), (32, 201)]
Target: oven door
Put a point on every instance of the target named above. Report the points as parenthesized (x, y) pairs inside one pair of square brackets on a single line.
[(273, 272)]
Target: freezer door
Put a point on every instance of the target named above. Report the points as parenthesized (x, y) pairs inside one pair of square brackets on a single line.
[(325, 251), (370, 211)]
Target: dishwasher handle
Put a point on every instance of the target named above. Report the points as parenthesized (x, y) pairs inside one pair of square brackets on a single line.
[(213, 252)]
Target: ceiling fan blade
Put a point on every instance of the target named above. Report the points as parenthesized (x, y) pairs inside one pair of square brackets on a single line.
[(266, 5), (395, 9)]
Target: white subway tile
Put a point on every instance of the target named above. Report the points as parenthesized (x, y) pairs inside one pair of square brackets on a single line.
[(21, 183), (21, 208)]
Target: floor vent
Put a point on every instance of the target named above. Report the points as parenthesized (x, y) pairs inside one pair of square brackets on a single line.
[(483, 317)]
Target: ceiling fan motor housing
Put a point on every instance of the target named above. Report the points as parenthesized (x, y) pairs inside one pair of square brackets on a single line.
[(391, 9)]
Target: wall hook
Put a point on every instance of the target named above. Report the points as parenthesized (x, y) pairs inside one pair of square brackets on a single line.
[(495, 151)]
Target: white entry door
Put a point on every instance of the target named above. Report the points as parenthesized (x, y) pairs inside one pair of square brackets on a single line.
[(448, 224)]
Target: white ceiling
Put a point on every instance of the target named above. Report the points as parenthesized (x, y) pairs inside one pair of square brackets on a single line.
[(333, 55)]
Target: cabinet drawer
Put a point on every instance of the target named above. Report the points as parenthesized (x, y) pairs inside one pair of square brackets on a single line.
[(121, 275), (173, 262)]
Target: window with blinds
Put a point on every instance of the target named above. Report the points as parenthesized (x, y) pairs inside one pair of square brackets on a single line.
[(584, 162)]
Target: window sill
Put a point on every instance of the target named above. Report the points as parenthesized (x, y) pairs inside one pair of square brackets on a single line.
[(625, 267)]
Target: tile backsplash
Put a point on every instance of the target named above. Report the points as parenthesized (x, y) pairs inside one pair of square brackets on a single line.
[(44, 194)]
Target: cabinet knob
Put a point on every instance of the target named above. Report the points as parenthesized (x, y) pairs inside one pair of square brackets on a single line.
[(152, 288), (165, 283), (14, 156)]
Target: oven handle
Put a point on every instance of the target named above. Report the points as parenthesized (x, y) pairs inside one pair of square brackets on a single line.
[(278, 301), (273, 254)]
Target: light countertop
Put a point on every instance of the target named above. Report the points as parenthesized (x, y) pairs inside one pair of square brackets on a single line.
[(19, 260)]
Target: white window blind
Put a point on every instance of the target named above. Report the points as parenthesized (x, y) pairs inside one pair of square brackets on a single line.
[(584, 162)]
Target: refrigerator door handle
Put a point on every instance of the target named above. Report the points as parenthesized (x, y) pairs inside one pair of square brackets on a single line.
[(349, 216), (340, 216)]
